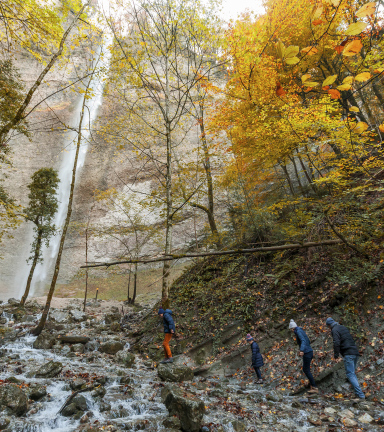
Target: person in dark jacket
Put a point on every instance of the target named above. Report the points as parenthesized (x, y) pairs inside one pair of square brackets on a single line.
[(344, 345), (169, 330), (306, 352), (257, 358)]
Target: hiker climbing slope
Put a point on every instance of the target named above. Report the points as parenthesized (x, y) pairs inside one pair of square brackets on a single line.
[(169, 330), (257, 358)]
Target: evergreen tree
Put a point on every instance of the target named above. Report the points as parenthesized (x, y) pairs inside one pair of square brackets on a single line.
[(41, 210)]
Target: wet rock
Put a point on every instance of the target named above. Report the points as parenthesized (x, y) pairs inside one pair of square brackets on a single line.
[(84, 419), (3, 321), (217, 393), (69, 410), (44, 341), (239, 426), (315, 420), (348, 422), (77, 383), (13, 380), (126, 380), (65, 350), (13, 302), (92, 345), (99, 392), (115, 327), (297, 404), (13, 399), (174, 373), (104, 406), (37, 391), (80, 402), (274, 396), (49, 370), (79, 348), (111, 347), (346, 414), (365, 418), (59, 316), (113, 316), (188, 408), (172, 423), (78, 315), (329, 410), (126, 358), (4, 422)]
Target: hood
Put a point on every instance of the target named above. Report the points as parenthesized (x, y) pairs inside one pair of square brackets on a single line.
[(168, 311)]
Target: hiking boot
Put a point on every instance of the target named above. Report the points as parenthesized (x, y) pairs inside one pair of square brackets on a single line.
[(313, 390), (164, 361), (168, 360), (358, 400), (259, 382)]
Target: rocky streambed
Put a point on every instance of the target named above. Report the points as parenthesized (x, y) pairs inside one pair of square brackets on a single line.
[(80, 374)]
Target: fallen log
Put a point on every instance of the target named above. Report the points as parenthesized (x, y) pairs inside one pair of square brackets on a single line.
[(73, 339), (216, 253), (69, 398)]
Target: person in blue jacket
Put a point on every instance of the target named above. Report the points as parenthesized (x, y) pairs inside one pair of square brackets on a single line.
[(306, 352), (169, 330), (257, 358)]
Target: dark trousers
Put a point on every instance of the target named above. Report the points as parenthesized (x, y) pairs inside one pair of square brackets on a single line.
[(307, 358), (257, 370)]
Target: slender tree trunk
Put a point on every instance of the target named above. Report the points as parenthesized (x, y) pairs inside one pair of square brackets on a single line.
[(37, 330), (134, 285), (86, 270), (307, 175), (297, 175), (284, 168), (168, 185), (129, 285), (35, 259)]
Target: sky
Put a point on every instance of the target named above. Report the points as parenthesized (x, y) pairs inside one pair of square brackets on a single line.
[(232, 8)]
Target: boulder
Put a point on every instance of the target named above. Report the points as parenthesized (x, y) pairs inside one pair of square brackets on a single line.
[(69, 410), (112, 317), (59, 316), (73, 339), (13, 399), (80, 402), (126, 358), (348, 422), (174, 373), (37, 391), (44, 341), (79, 348), (111, 347), (186, 407), (49, 370), (4, 422), (274, 396), (78, 315), (172, 423), (92, 345), (365, 418), (14, 302), (346, 413), (98, 392), (77, 383)]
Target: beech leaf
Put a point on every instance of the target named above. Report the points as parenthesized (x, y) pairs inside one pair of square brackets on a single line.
[(348, 80), (356, 28), (360, 127), (311, 50), (352, 48), (291, 51), (280, 48), (292, 60), (311, 83), (354, 109), (317, 14), (343, 87), (329, 80), (305, 77), (381, 127), (367, 9), (335, 94), (364, 76)]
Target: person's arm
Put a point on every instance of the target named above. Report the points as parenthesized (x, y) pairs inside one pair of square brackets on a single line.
[(301, 339), (171, 324), (336, 343)]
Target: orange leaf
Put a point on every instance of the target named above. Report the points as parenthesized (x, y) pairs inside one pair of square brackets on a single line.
[(352, 48), (339, 49), (335, 94), (326, 88), (381, 127), (279, 90), (311, 50), (317, 22)]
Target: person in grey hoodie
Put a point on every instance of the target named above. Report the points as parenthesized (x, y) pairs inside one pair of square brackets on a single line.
[(306, 352), (344, 345)]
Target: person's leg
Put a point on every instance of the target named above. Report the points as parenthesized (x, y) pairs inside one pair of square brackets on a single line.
[(257, 370), (307, 358), (350, 362), (167, 349)]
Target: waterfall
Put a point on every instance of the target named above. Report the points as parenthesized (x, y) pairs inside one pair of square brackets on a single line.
[(49, 254)]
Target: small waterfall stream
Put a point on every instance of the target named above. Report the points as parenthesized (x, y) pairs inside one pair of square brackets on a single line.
[(65, 174)]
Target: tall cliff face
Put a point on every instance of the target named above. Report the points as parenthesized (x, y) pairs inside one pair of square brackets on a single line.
[(49, 147)]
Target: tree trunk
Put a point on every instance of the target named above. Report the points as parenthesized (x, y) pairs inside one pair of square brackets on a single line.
[(37, 330), (129, 285), (35, 259), (284, 168), (134, 285), (168, 186), (86, 270)]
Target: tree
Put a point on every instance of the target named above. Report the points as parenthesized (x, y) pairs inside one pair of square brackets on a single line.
[(41, 211)]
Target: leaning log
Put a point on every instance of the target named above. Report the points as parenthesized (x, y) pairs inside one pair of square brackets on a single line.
[(73, 339)]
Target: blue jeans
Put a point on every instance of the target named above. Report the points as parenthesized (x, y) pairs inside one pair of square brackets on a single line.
[(257, 370), (350, 362), (307, 358)]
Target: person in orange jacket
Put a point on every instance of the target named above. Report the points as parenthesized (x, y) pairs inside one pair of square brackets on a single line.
[(169, 330)]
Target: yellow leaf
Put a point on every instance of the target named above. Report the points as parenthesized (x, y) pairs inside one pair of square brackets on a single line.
[(381, 127), (329, 80), (356, 28), (291, 51), (344, 87), (360, 127), (317, 13), (305, 77), (311, 50), (352, 48), (354, 109), (292, 60), (367, 9), (311, 83), (378, 70), (364, 76), (280, 48), (348, 80)]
